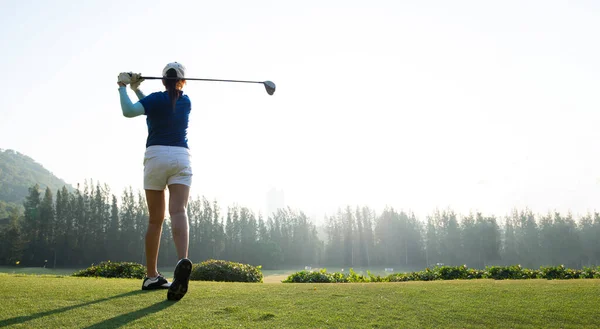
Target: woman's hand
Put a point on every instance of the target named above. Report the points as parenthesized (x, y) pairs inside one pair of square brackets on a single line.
[(135, 81), (124, 79)]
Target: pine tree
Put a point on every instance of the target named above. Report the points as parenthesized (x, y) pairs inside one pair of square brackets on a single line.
[(596, 229), (95, 247), (31, 227), (46, 226), (11, 244), (218, 232), (207, 230), (368, 219), (472, 241), (60, 227), (509, 250), (129, 235), (489, 236), (229, 235), (449, 235), (248, 236), (194, 213), (432, 243), (113, 231), (167, 255), (360, 239), (547, 237), (141, 219), (527, 237), (77, 225), (334, 247), (274, 248), (348, 220)]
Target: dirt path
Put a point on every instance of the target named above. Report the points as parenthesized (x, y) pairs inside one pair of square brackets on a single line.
[(274, 278)]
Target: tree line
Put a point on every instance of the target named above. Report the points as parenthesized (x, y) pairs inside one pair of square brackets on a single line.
[(360, 238), (90, 224)]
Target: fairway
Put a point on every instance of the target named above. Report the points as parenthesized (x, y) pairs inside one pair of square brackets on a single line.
[(37, 270), (68, 302)]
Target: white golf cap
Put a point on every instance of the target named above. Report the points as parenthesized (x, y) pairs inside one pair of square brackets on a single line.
[(179, 68)]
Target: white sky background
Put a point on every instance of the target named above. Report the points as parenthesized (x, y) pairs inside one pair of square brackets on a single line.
[(474, 105)]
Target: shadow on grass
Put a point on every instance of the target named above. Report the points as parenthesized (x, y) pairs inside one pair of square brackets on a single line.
[(25, 318), (124, 319)]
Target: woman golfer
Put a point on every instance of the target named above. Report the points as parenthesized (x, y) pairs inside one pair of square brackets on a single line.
[(167, 164)]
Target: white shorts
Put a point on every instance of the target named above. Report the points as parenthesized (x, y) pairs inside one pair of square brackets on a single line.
[(166, 165)]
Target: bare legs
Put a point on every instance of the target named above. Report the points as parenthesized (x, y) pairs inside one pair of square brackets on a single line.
[(178, 198), (156, 210)]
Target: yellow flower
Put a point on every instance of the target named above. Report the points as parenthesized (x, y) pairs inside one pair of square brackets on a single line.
[(18, 262)]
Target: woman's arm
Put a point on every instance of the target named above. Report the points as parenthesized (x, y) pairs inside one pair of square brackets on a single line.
[(136, 80), (129, 109), (139, 94)]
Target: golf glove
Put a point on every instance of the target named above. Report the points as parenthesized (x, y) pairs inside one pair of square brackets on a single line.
[(135, 81), (125, 78)]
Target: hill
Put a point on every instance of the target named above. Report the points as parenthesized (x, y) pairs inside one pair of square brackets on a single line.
[(18, 173)]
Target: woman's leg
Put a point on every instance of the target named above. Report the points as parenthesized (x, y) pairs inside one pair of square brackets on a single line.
[(178, 199), (156, 209)]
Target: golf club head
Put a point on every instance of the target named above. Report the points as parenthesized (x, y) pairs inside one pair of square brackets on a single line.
[(270, 87)]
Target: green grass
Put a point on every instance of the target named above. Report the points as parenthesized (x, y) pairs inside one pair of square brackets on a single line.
[(68, 302), (37, 270)]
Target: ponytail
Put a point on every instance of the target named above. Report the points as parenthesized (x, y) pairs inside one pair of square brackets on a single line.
[(173, 87)]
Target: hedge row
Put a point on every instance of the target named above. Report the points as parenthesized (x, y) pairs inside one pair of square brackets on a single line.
[(210, 270), (515, 272), (221, 270), (110, 269)]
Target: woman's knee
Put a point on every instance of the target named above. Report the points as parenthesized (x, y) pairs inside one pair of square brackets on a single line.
[(156, 221), (179, 220), (178, 198), (175, 210)]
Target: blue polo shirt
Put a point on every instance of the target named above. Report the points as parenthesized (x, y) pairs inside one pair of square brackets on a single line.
[(166, 126)]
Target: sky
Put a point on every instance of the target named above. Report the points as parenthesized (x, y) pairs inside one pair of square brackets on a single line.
[(477, 106)]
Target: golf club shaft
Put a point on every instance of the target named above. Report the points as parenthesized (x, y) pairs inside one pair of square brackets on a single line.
[(269, 85), (198, 79)]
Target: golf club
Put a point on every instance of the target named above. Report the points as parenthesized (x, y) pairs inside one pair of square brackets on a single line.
[(269, 85)]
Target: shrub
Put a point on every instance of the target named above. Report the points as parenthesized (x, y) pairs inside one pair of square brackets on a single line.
[(506, 272), (476, 274), (309, 277), (438, 273), (322, 276), (572, 273), (553, 272), (109, 269), (590, 273), (401, 277), (376, 278), (427, 275), (560, 272), (354, 277), (514, 272), (221, 270), (452, 272)]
